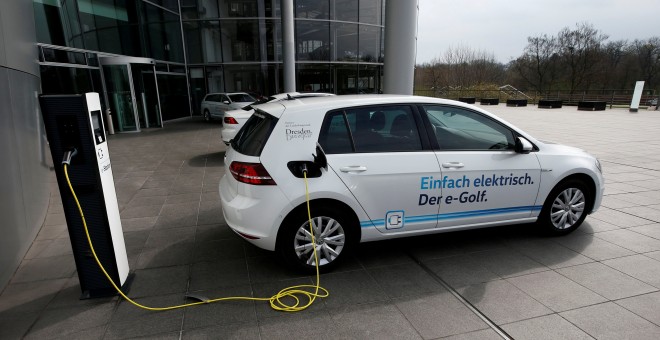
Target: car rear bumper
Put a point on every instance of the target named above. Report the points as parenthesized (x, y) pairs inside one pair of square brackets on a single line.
[(255, 218)]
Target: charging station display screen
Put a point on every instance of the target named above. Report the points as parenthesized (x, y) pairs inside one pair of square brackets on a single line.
[(97, 126), (95, 122)]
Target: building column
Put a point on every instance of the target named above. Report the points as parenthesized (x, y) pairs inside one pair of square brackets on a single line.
[(288, 47), (25, 177), (400, 46)]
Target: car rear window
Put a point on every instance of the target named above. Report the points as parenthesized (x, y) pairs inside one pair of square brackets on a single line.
[(252, 137), (241, 97)]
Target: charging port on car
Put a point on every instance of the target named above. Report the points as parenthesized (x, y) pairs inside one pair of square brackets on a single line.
[(298, 167)]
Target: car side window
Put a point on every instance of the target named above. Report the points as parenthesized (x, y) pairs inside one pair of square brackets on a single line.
[(335, 137), (461, 129), (371, 129), (241, 97), (224, 98)]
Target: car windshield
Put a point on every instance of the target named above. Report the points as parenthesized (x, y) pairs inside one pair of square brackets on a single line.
[(241, 97)]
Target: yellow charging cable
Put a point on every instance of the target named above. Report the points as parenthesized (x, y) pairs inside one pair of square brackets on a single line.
[(276, 301)]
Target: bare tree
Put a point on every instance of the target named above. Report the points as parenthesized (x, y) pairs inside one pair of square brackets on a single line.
[(580, 50), (538, 64), (575, 59), (466, 67), (646, 53), (459, 68), (486, 69), (614, 71), (437, 75), (457, 60)]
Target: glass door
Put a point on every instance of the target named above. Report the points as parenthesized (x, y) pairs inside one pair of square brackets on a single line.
[(132, 93), (146, 94), (120, 97)]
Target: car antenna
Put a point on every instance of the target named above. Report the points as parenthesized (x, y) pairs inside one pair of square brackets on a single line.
[(288, 96)]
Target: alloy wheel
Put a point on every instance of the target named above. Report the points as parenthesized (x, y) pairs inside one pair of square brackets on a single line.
[(567, 208), (329, 240)]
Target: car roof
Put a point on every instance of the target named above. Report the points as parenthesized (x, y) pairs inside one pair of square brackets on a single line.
[(327, 103), (301, 95), (321, 105), (226, 93)]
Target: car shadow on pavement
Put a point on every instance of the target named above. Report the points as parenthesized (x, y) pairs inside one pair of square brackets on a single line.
[(468, 260), (210, 260), (209, 159)]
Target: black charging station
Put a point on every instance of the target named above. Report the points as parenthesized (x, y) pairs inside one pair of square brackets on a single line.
[(74, 126)]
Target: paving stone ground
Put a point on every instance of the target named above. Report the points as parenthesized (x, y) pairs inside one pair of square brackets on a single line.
[(602, 281)]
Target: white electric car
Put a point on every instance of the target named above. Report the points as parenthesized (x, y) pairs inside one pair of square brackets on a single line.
[(384, 166), (234, 120)]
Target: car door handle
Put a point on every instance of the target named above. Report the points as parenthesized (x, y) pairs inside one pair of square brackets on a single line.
[(353, 168), (455, 165)]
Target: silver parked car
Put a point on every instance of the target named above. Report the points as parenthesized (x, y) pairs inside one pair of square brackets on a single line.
[(214, 105)]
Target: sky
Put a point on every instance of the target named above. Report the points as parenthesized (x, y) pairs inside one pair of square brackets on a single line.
[(501, 27)]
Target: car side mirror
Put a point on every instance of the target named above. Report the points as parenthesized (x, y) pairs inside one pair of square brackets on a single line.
[(523, 145)]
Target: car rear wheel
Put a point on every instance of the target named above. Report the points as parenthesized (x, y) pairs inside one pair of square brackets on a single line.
[(566, 207), (207, 115), (333, 238)]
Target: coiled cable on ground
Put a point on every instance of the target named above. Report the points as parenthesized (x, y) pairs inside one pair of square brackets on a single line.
[(298, 293)]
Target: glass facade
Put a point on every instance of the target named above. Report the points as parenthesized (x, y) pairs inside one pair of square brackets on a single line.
[(162, 34), (229, 45), (67, 80), (150, 29), (58, 23), (111, 28), (237, 46), (173, 95)]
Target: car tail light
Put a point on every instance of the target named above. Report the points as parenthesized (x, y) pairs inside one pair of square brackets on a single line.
[(251, 173), (230, 120)]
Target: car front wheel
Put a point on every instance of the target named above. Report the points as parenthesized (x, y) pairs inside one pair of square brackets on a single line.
[(333, 238), (566, 207), (207, 115)]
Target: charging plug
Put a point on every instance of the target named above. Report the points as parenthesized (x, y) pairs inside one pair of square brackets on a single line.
[(303, 168), (68, 155)]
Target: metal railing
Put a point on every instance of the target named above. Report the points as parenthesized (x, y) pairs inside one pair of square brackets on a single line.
[(513, 92), (611, 97)]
